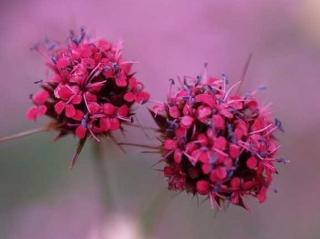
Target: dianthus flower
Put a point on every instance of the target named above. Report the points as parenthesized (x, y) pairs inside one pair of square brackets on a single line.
[(90, 91), (217, 143)]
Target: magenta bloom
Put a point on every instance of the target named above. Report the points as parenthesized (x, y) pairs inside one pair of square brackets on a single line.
[(90, 91), (216, 143)]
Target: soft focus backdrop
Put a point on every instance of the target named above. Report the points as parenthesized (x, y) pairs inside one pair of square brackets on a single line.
[(41, 199)]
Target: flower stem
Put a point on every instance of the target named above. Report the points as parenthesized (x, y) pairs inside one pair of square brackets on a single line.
[(23, 134), (142, 127), (152, 213), (101, 170), (140, 145)]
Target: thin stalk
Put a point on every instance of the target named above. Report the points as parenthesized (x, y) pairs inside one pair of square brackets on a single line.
[(140, 145), (101, 171), (142, 127), (23, 134), (152, 213), (244, 72)]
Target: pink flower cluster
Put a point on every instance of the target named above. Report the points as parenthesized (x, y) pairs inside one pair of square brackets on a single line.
[(216, 143), (91, 88)]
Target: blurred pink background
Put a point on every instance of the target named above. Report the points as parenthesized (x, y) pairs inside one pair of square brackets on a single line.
[(41, 198)]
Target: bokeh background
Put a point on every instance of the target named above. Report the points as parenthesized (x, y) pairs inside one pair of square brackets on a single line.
[(41, 199)]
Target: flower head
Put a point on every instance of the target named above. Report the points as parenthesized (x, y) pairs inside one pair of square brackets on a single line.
[(90, 91), (216, 143)]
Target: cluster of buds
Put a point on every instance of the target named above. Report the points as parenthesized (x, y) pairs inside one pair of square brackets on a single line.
[(91, 90), (216, 143)]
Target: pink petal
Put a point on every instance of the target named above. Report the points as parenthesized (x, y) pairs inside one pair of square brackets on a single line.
[(35, 112), (206, 99), (70, 111), (95, 87), (177, 156), (238, 105), (202, 187), (220, 143), (62, 63), (180, 132), (42, 109), (126, 68), (94, 107), (203, 139), (252, 163), (186, 109), (133, 83), (169, 144), (226, 113), (204, 157), (174, 112), (109, 109), (221, 173), (218, 122), (40, 97), (158, 107), (204, 112), (238, 133), (221, 157), (244, 128), (59, 107), (218, 174), (195, 154), (186, 121), (206, 168), (228, 162), (85, 51), (190, 147), (121, 81), (235, 198), (32, 113), (258, 124), (252, 105), (211, 133), (90, 97), (129, 97), (142, 97), (262, 195), (234, 151), (108, 73), (105, 124), (247, 185), (115, 124), (55, 79), (81, 132), (88, 63), (123, 111), (181, 94), (63, 92), (236, 102), (104, 45), (212, 80), (76, 99), (235, 183), (78, 116)]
